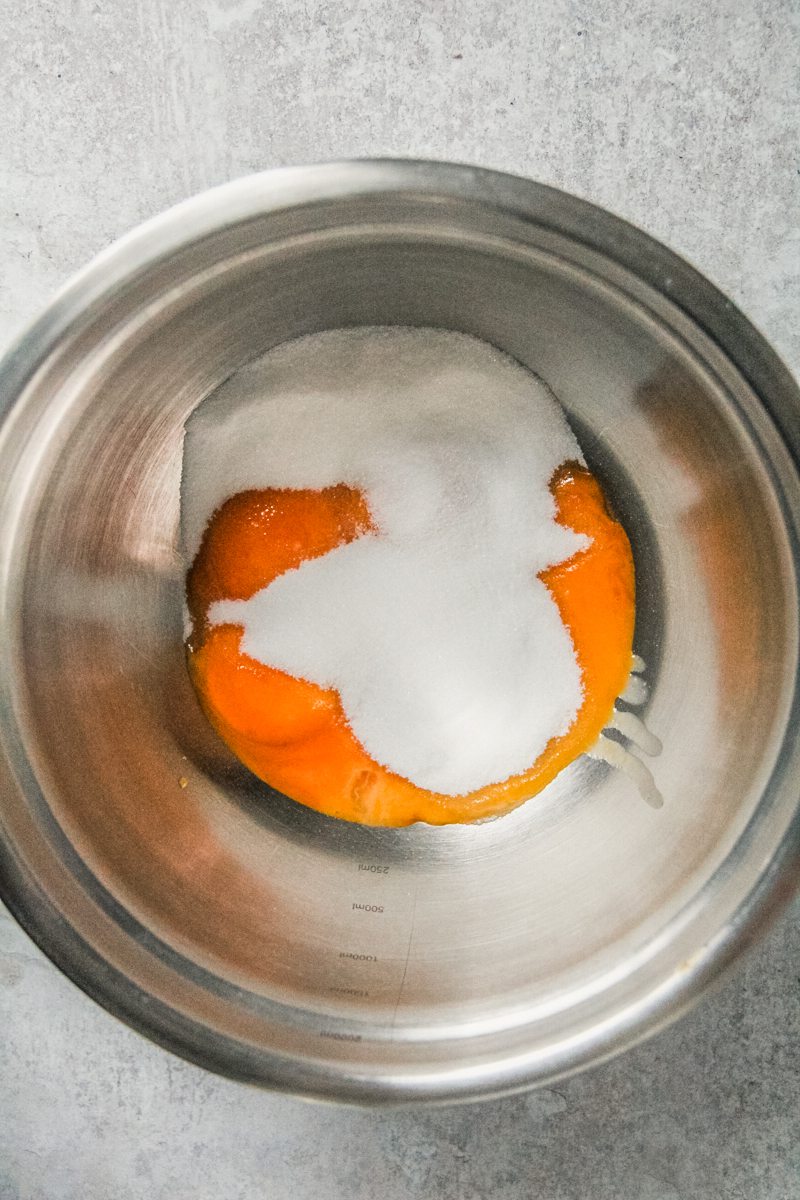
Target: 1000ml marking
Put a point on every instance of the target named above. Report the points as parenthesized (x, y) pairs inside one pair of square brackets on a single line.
[(357, 957)]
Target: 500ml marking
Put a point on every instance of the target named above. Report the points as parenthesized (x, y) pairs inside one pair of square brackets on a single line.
[(372, 908)]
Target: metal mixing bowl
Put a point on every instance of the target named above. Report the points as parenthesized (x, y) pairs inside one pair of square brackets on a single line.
[(276, 945)]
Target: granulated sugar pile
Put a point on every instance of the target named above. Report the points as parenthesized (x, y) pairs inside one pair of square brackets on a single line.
[(451, 660)]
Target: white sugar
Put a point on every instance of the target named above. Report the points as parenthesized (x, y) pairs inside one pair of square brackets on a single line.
[(452, 662)]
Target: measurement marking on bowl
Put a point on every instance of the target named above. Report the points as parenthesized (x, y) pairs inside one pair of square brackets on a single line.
[(367, 970)]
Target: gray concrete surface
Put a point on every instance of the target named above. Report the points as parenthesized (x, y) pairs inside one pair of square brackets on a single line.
[(682, 117)]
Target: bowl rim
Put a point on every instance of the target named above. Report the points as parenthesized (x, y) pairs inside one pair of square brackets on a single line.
[(271, 191)]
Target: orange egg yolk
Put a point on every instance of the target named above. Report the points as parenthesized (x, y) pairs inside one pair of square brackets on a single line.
[(294, 734)]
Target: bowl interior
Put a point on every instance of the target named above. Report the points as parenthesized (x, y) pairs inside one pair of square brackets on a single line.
[(304, 936)]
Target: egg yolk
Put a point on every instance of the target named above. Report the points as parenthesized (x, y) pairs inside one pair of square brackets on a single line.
[(294, 734)]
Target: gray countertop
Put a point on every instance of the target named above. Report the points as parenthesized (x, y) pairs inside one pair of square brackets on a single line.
[(682, 117)]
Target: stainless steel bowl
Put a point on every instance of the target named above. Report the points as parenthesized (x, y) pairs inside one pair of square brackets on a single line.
[(281, 947)]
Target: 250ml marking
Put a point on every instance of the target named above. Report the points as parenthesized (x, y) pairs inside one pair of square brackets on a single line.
[(373, 868)]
